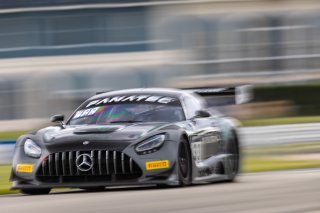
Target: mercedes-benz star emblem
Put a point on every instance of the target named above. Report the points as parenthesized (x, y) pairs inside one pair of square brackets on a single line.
[(86, 142), (84, 162)]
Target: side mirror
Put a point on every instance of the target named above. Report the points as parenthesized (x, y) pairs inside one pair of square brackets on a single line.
[(58, 119), (202, 114)]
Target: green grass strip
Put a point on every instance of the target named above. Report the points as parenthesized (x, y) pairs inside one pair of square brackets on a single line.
[(4, 180), (278, 121), (11, 135), (262, 164), (281, 149)]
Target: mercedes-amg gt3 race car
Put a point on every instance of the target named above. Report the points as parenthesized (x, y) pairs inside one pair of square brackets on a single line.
[(137, 136)]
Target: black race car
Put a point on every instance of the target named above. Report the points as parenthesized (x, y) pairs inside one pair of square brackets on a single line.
[(137, 136)]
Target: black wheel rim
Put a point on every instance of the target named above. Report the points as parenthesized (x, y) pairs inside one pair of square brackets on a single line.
[(183, 160)]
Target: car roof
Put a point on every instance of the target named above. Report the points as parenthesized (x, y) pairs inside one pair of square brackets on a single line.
[(154, 91)]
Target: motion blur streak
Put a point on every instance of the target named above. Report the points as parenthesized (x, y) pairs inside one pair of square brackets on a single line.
[(53, 59), (295, 191), (55, 54)]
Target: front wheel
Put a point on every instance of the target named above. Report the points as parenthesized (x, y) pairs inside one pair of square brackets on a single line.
[(35, 191), (184, 163), (234, 159)]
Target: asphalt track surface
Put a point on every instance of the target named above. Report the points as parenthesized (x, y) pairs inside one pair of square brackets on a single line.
[(291, 191)]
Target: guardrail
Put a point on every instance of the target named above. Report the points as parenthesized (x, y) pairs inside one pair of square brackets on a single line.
[(249, 136)]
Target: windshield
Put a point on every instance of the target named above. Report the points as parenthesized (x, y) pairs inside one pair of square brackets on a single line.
[(147, 109)]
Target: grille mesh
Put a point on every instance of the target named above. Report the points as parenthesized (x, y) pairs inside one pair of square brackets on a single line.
[(107, 165)]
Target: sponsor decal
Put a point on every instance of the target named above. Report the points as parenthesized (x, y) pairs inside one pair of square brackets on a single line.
[(86, 112), (161, 164), (25, 168), (131, 99)]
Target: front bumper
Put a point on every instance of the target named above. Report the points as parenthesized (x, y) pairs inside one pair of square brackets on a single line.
[(110, 168)]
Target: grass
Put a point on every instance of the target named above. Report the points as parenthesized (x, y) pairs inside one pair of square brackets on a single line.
[(262, 164), (281, 157), (281, 149), (4, 179), (11, 135), (6, 169), (277, 121)]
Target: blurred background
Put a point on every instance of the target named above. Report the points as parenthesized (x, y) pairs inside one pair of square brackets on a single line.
[(56, 53)]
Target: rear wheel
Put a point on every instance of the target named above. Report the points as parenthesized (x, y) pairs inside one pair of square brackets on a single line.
[(184, 163), (35, 191), (234, 159)]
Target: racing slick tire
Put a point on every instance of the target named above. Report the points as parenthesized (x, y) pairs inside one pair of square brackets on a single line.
[(35, 191), (184, 163), (234, 161)]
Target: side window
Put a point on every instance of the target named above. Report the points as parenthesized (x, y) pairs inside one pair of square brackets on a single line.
[(191, 105)]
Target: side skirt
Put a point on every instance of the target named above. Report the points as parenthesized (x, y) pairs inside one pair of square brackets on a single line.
[(213, 169)]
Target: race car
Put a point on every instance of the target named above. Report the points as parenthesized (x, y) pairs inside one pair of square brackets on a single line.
[(145, 136)]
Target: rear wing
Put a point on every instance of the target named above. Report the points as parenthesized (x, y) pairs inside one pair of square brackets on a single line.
[(225, 95)]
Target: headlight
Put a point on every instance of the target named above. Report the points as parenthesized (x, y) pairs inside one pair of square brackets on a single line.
[(32, 149), (150, 145)]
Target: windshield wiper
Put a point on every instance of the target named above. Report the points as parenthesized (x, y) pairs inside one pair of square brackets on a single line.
[(130, 121)]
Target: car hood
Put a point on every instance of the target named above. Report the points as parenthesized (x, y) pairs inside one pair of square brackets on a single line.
[(113, 136)]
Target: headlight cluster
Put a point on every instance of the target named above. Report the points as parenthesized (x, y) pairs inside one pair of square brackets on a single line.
[(32, 149), (150, 145)]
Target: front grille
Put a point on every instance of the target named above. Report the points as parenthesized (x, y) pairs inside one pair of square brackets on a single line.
[(107, 166)]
